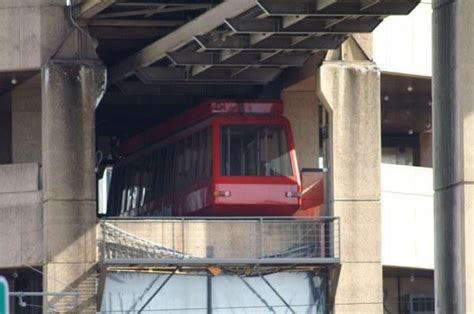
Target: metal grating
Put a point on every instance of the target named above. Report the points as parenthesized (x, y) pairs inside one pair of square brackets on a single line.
[(219, 241)]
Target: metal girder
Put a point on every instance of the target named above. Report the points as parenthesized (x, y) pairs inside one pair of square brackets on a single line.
[(90, 8), (185, 89), (152, 11), (204, 23), (242, 42), (135, 23), (337, 7), (305, 26), (213, 75), (242, 59)]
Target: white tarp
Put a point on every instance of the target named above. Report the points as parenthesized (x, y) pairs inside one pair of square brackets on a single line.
[(127, 292)]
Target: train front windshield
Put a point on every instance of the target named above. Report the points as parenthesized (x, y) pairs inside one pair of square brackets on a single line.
[(255, 150)]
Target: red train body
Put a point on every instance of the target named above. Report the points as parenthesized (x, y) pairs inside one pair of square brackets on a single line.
[(221, 158)]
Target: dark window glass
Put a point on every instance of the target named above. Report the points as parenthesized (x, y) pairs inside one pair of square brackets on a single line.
[(208, 154), (255, 150)]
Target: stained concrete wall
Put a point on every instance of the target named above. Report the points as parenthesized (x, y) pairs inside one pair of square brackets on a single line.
[(20, 215), (5, 129), (70, 92), (26, 122), (29, 33), (301, 109), (351, 93)]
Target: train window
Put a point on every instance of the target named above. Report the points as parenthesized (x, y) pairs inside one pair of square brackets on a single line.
[(208, 154), (255, 150)]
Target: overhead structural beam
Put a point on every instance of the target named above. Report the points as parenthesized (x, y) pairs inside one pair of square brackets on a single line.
[(213, 75), (204, 23), (305, 26), (213, 58), (337, 7), (243, 42), (90, 8), (135, 23), (185, 89)]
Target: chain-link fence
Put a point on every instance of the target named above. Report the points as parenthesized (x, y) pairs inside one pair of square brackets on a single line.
[(220, 240)]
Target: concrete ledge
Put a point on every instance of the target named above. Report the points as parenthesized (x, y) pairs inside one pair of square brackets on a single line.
[(19, 178)]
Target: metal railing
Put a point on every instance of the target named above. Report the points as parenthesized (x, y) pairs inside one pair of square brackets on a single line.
[(220, 241)]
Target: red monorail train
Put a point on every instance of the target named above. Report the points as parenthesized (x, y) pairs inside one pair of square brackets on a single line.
[(222, 158)]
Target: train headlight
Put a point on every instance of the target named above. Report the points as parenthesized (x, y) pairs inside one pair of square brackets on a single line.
[(222, 193), (293, 194)]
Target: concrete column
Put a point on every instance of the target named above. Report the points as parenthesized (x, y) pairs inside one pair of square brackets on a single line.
[(351, 93), (453, 123), (301, 109), (70, 92)]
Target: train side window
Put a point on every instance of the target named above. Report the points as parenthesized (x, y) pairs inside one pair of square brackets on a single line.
[(195, 152), (208, 154), (201, 149)]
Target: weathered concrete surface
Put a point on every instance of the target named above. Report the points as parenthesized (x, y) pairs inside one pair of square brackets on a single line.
[(5, 129), (26, 122), (350, 91), (19, 178), (29, 34), (453, 120), (301, 109), (20, 215), (70, 92), (31, 3), (20, 229)]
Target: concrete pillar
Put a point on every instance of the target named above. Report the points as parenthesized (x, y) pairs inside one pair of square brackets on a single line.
[(453, 124), (301, 109), (351, 93), (70, 92)]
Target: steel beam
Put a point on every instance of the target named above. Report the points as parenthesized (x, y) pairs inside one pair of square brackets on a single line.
[(135, 23), (337, 7), (90, 8), (213, 75), (152, 11), (305, 26), (184, 89), (242, 42), (204, 23), (243, 59)]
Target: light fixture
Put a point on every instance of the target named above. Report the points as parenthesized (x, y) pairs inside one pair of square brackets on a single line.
[(410, 88), (386, 98), (412, 277), (410, 131), (14, 81)]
